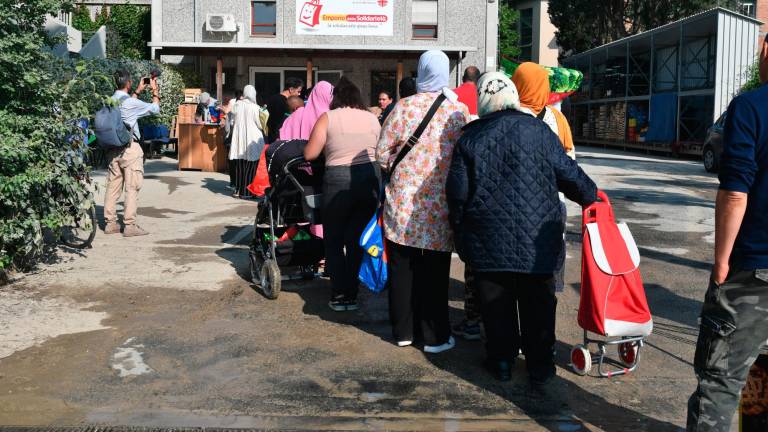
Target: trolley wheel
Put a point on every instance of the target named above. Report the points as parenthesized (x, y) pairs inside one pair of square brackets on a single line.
[(581, 360), (270, 279), (628, 353), (256, 263)]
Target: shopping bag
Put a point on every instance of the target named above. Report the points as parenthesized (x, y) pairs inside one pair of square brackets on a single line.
[(613, 301), (261, 180), (373, 270)]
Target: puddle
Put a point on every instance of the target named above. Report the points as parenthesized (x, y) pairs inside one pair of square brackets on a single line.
[(26, 321), (129, 361)]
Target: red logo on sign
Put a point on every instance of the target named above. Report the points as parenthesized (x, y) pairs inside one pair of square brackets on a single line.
[(382, 3), (310, 13)]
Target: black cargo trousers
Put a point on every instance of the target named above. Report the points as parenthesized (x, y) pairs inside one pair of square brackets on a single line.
[(734, 325)]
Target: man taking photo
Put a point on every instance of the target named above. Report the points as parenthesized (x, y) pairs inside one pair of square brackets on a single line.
[(126, 165)]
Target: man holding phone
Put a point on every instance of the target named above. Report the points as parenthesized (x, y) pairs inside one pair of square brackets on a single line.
[(126, 165)]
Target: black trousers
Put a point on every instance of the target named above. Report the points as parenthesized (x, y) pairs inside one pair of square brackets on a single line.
[(350, 198), (418, 294), (733, 327), (245, 170), (534, 332)]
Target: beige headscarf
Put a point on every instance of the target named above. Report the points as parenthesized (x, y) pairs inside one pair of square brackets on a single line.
[(496, 92)]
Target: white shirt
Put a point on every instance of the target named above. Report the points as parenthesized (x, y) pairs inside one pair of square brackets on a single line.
[(247, 138), (132, 109)]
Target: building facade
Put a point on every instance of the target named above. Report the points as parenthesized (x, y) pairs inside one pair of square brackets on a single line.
[(373, 42), (537, 33)]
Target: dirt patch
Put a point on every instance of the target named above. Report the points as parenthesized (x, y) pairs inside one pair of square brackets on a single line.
[(27, 319)]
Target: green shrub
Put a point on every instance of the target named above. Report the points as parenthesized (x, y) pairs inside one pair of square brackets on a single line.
[(40, 147)]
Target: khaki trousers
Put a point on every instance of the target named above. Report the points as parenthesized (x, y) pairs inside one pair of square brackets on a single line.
[(125, 171)]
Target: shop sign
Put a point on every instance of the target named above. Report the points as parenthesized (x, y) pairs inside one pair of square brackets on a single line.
[(344, 17)]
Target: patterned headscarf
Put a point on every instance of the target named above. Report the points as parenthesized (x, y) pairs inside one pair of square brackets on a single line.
[(432, 73), (496, 92)]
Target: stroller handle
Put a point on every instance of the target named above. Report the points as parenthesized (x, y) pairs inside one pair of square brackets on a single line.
[(290, 164)]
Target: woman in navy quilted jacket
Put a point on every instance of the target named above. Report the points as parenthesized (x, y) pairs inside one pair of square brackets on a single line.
[(502, 192)]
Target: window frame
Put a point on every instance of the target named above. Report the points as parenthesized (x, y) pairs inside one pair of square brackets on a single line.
[(520, 45), (435, 27), (254, 25)]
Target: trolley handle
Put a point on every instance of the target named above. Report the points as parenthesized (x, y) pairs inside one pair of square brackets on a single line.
[(589, 215)]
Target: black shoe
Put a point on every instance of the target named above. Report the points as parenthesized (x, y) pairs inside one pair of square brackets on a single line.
[(342, 304), (500, 369), (543, 387)]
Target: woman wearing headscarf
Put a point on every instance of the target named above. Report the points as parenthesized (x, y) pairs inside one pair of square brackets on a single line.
[(419, 240), (532, 82), (299, 124), (502, 191), (247, 140)]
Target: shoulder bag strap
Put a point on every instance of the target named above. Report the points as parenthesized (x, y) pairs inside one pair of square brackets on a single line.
[(542, 114), (413, 139)]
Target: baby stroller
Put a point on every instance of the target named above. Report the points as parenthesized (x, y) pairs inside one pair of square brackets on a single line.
[(613, 303), (282, 235)]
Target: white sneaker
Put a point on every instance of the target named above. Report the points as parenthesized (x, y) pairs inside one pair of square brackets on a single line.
[(404, 343), (436, 349)]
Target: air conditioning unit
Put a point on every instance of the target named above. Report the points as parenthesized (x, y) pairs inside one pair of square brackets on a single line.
[(220, 23)]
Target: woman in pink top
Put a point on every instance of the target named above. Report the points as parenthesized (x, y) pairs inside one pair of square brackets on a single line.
[(347, 136)]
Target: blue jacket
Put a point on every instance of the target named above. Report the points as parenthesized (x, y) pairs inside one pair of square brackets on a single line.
[(744, 168), (502, 194)]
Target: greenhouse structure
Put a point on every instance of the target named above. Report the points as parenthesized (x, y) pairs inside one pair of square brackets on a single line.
[(662, 89)]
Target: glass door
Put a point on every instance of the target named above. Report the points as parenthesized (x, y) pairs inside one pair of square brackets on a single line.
[(267, 84)]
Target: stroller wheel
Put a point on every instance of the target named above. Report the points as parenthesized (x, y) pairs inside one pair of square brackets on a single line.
[(256, 264), (270, 279), (581, 360), (628, 353)]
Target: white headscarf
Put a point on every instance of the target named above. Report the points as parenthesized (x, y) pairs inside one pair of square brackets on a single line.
[(249, 92), (205, 98), (432, 73), (496, 92)]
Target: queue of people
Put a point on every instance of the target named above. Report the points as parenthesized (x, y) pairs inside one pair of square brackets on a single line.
[(461, 185)]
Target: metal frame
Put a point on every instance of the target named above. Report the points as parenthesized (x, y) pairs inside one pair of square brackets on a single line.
[(603, 358), (682, 57)]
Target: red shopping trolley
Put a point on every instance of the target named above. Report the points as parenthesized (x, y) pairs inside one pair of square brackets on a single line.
[(613, 303)]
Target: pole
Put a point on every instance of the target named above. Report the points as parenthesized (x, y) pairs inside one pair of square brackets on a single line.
[(398, 77), (309, 73), (219, 83)]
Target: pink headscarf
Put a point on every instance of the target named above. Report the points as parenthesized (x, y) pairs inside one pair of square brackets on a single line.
[(299, 124)]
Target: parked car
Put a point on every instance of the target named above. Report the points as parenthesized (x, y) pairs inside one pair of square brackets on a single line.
[(713, 145)]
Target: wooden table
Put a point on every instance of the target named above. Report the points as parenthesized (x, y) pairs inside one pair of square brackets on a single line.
[(201, 147)]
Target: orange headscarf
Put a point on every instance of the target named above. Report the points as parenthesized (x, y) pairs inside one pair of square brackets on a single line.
[(532, 82)]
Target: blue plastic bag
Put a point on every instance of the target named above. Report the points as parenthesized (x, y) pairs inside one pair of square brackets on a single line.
[(373, 270)]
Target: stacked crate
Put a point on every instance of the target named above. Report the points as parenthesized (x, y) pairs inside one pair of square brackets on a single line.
[(610, 121)]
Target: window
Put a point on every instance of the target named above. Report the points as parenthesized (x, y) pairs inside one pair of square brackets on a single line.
[(748, 8), (424, 19), (264, 18), (525, 30)]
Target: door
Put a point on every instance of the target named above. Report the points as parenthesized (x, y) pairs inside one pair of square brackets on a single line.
[(267, 85)]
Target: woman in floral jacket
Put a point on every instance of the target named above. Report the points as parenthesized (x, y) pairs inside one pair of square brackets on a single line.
[(419, 239)]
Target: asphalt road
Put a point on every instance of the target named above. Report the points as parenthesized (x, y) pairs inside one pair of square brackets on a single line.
[(167, 331)]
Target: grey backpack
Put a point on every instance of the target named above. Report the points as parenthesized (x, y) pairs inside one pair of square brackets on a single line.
[(108, 125)]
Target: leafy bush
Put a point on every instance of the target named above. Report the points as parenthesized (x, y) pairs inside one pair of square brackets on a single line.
[(41, 148), (129, 29), (754, 78)]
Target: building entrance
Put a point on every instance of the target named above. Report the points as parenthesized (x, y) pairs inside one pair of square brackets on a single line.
[(271, 80)]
